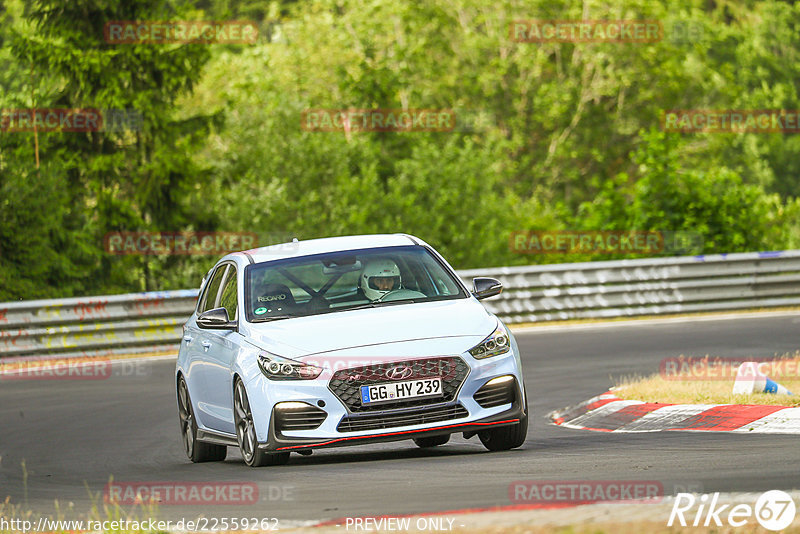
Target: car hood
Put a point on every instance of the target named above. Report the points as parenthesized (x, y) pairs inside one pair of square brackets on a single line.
[(406, 327)]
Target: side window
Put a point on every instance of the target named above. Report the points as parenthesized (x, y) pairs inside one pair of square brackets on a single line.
[(228, 297), (210, 295)]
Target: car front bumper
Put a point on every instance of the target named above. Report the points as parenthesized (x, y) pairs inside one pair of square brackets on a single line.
[(280, 443), (467, 415)]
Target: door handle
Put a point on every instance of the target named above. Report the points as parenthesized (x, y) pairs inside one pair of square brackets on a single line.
[(206, 344)]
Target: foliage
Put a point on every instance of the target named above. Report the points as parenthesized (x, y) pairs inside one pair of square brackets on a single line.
[(549, 136), (731, 216), (100, 181)]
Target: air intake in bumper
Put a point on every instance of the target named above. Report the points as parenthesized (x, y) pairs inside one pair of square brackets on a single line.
[(406, 417), (290, 416), (496, 392)]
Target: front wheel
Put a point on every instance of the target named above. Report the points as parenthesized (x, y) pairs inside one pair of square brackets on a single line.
[(197, 451), (246, 433), (433, 441), (507, 437)]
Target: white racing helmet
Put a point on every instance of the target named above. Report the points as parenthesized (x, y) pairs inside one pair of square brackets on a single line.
[(374, 270)]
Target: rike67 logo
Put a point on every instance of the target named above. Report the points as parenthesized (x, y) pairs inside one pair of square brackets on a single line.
[(774, 510)]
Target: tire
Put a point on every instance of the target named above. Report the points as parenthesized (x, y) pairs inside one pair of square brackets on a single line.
[(506, 437), (432, 441), (197, 451), (246, 433)]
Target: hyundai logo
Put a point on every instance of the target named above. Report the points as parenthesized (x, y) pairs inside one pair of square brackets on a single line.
[(399, 373)]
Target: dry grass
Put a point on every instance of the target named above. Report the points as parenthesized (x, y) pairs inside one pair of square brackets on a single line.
[(99, 511), (710, 380)]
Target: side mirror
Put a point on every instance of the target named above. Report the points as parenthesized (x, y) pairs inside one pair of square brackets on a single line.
[(216, 319), (484, 288)]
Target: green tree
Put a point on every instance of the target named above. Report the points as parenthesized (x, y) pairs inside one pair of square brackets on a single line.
[(729, 215), (136, 179)]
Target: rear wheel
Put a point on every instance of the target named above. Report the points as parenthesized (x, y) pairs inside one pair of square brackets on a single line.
[(246, 433), (197, 451), (432, 441)]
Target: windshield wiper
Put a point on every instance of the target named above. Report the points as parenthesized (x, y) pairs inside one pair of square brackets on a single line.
[(375, 304), (358, 306), (271, 318)]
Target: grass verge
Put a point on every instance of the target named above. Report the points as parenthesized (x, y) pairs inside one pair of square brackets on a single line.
[(709, 380)]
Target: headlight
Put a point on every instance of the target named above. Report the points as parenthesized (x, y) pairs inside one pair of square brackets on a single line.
[(497, 343), (277, 368)]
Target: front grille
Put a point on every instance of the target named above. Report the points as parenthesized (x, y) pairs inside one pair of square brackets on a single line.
[(346, 383), (306, 418), (491, 395), (403, 417)]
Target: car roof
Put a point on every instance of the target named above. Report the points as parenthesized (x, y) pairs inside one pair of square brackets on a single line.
[(328, 244)]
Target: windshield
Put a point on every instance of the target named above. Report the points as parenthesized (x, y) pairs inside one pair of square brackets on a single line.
[(339, 281)]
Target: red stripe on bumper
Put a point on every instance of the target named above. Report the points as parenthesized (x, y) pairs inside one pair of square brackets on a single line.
[(322, 444)]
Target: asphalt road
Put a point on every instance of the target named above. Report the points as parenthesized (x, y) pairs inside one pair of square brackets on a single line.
[(73, 435)]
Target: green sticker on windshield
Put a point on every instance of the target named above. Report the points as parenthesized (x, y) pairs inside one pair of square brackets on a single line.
[(260, 311)]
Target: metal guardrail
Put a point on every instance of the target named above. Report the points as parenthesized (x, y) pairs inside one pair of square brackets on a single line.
[(151, 322), (651, 286), (94, 326)]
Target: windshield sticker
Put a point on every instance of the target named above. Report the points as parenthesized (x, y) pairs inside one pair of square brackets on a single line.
[(270, 298)]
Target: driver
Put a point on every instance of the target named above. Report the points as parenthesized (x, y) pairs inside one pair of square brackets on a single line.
[(379, 278)]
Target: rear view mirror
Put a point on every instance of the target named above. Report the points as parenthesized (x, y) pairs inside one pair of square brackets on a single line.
[(486, 287), (341, 265), (216, 319)]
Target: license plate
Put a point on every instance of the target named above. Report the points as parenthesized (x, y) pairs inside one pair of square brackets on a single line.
[(407, 389)]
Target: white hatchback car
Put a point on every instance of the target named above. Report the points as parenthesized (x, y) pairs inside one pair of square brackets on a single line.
[(344, 341)]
